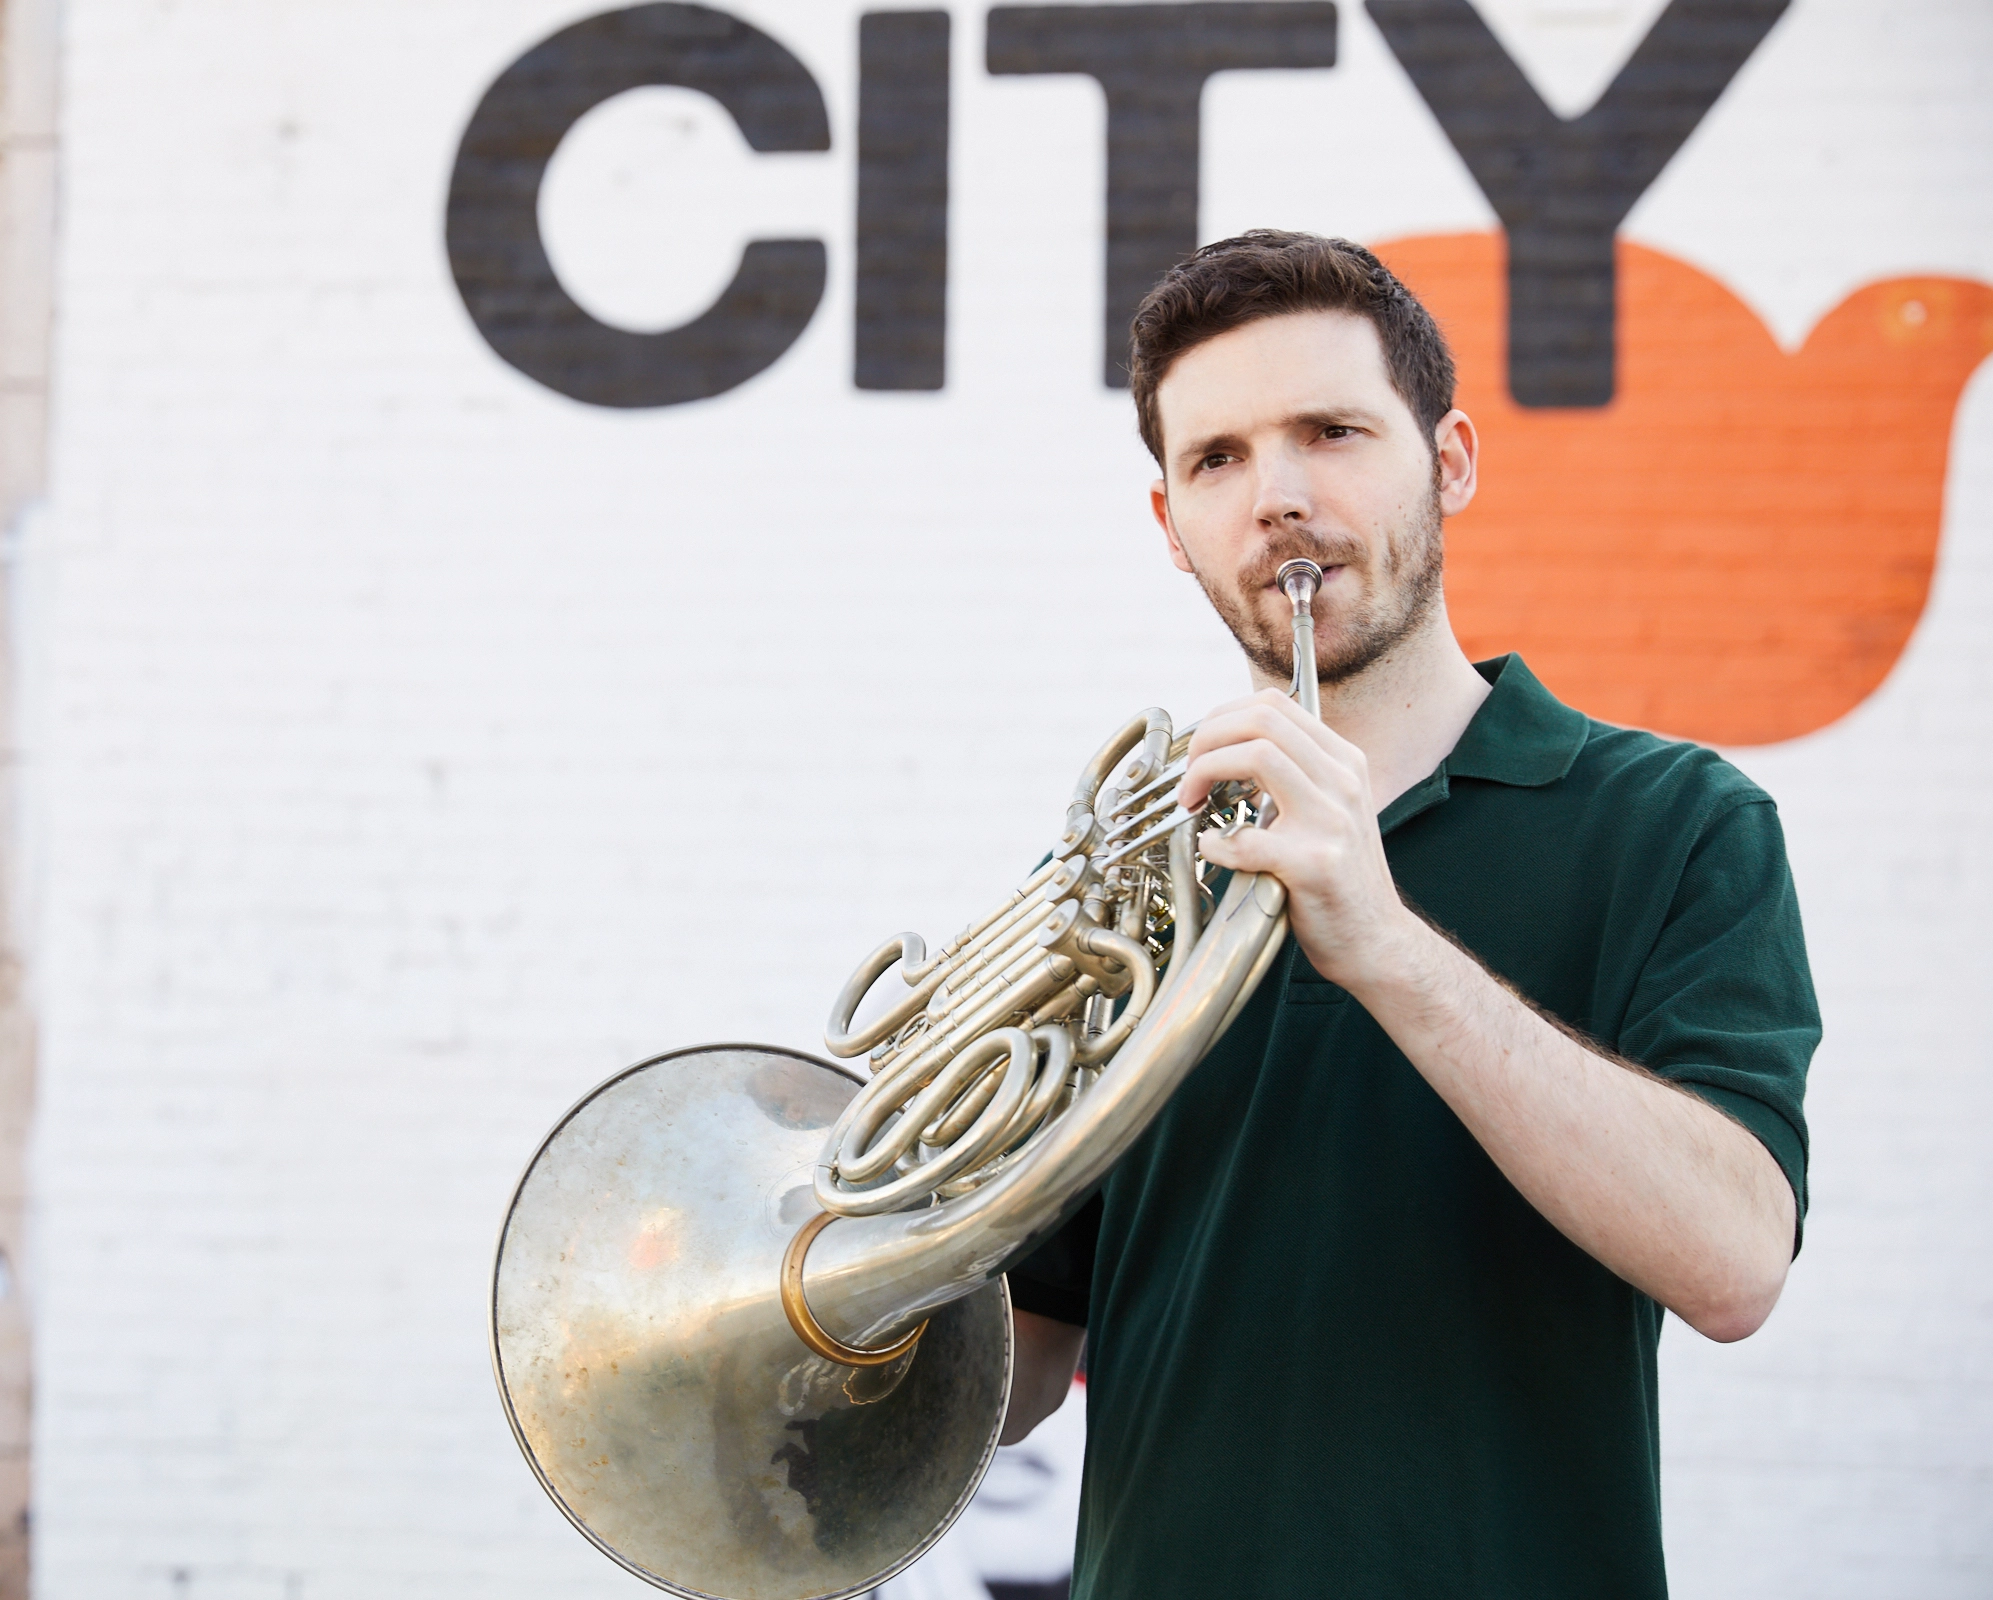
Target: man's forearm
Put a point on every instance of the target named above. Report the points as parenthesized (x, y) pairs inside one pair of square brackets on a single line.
[(1659, 1186)]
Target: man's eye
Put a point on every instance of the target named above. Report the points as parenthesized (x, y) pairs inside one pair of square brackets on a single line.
[(1336, 430), (1212, 463)]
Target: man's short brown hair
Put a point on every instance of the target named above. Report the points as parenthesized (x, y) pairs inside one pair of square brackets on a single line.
[(1268, 273)]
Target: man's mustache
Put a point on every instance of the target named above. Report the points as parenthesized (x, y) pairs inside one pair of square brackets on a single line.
[(1325, 553)]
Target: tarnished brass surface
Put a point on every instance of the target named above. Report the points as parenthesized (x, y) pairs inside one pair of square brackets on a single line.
[(654, 1382)]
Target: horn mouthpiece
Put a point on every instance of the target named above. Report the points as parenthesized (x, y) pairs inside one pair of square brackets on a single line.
[(1298, 580)]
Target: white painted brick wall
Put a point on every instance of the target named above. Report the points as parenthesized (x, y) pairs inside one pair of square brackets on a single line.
[(408, 747)]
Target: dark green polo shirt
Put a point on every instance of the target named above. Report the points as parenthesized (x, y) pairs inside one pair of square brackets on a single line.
[(1330, 1349)]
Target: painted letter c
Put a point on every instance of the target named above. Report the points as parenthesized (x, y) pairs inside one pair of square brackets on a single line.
[(493, 232)]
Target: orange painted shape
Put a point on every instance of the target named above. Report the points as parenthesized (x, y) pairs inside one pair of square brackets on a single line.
[(1737, 548)]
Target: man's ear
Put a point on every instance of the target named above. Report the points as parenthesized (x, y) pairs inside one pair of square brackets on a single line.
[(1457, 452), (1159, 503)]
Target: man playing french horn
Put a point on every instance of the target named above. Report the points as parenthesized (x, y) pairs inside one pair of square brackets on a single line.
[(1371, 1308), (1358, 1078)]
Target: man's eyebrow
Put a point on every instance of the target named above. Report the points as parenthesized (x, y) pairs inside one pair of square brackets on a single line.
[(1209, 445), (1334, 417)]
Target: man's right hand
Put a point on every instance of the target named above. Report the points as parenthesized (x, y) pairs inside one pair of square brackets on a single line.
[(1042, 1368)]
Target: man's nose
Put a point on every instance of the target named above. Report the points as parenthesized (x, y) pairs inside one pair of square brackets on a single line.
[(1281, 490)]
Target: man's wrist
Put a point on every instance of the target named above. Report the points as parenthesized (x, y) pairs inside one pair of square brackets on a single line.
[(1399, 962)]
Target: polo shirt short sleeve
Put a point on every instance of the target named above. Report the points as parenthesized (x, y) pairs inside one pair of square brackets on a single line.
[(1330, 1349)]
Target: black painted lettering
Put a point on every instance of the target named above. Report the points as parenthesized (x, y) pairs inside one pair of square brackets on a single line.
[(493, 231), (1562, 188), (1151, 62), (901, 333)]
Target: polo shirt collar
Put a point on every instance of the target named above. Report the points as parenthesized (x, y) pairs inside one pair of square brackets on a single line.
[(1522, 735)]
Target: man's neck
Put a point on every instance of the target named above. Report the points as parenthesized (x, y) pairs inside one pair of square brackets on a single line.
[(1408, 709)]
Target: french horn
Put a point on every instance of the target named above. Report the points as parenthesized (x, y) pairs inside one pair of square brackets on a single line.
[(748, 1313)]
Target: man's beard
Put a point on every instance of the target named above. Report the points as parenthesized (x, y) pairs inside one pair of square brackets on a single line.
[(1399, 597)]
